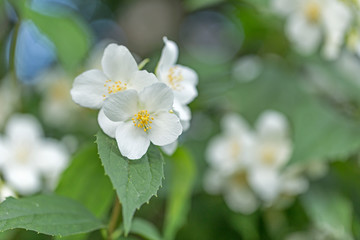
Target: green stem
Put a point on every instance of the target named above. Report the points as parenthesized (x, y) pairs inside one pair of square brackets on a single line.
[(114, 218), (12, 57)]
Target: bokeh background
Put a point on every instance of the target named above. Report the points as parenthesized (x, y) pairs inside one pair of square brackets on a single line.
[(246, 65)]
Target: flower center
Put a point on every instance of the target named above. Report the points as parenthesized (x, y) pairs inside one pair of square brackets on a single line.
[(142, 120), (268, 155), (114, 87), (175, 78), (235, 149), (22, 154), (312, 12)]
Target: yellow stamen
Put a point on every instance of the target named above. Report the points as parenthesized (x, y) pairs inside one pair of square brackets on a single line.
[(142, 120), (312, 12), (175, 78), (114, 87)]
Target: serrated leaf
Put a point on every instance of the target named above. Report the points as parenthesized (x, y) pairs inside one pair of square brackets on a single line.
[(182, 179), (85, 181), (47, 214), (145, 229), (70, 36), (319, 132), (135, 181), (330, 212)]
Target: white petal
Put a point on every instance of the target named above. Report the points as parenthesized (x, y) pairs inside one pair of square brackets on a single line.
[(4, 151), (24, 180), (284, 7), (121, 106), (168, 57), (142, 79), (188, 74), (118, 63), (132, 141), (272, 125), (52, 157), (182, 111), (241, 199), (234, 124), (265, 183), (185, 125), (156, 97), (88, 89), (306, 36), (170, 148), (23, 127), (108, 126), (165, 128)]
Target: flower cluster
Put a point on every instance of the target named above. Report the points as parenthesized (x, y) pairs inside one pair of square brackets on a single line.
[(137, 107), (26, 157), (247, 167), (311, 21)]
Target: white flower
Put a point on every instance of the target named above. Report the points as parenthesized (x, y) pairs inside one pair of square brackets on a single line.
[(311, 20), (273, 151), (26, 157), (138, 118), (182, 80), (233, 148), (247, 68), (235, 188), (119, 72), (228, 155)]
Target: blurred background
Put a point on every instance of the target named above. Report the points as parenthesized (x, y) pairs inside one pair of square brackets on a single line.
[(247, 62)]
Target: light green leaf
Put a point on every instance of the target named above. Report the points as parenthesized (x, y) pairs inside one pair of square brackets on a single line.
[(135, 181), (319, 132), (330, 212), (47, 214), (182, 180), (85, 181), (145, 229), (70, 36)]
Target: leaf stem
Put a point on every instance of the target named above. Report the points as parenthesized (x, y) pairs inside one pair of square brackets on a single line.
[(114, 218), (12, 57)]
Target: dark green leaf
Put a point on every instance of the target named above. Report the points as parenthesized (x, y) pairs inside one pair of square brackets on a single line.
[(145, 229), (47, 214), (135, 181)]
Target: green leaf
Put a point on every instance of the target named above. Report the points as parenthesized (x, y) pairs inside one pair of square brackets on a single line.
[(330, 212), (70, 36), (85, 181), (319, 131), (135, 181), (47, 214), (145, 229), (182, 180)]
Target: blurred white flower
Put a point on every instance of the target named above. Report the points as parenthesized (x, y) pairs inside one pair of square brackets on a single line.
[(235, 188), (26, 156), (310, 21), (119, 72), (233, 148), (228, 155), (141, 118), (182, 80), (57, 108), (272, 152), (5, 192)]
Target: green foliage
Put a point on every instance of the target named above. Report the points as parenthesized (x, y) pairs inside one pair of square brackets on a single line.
[(48, 214), (319, 132), (70, 36), (135, 181), (329, 211), (182, 179), (145, 229), (85, 181)]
